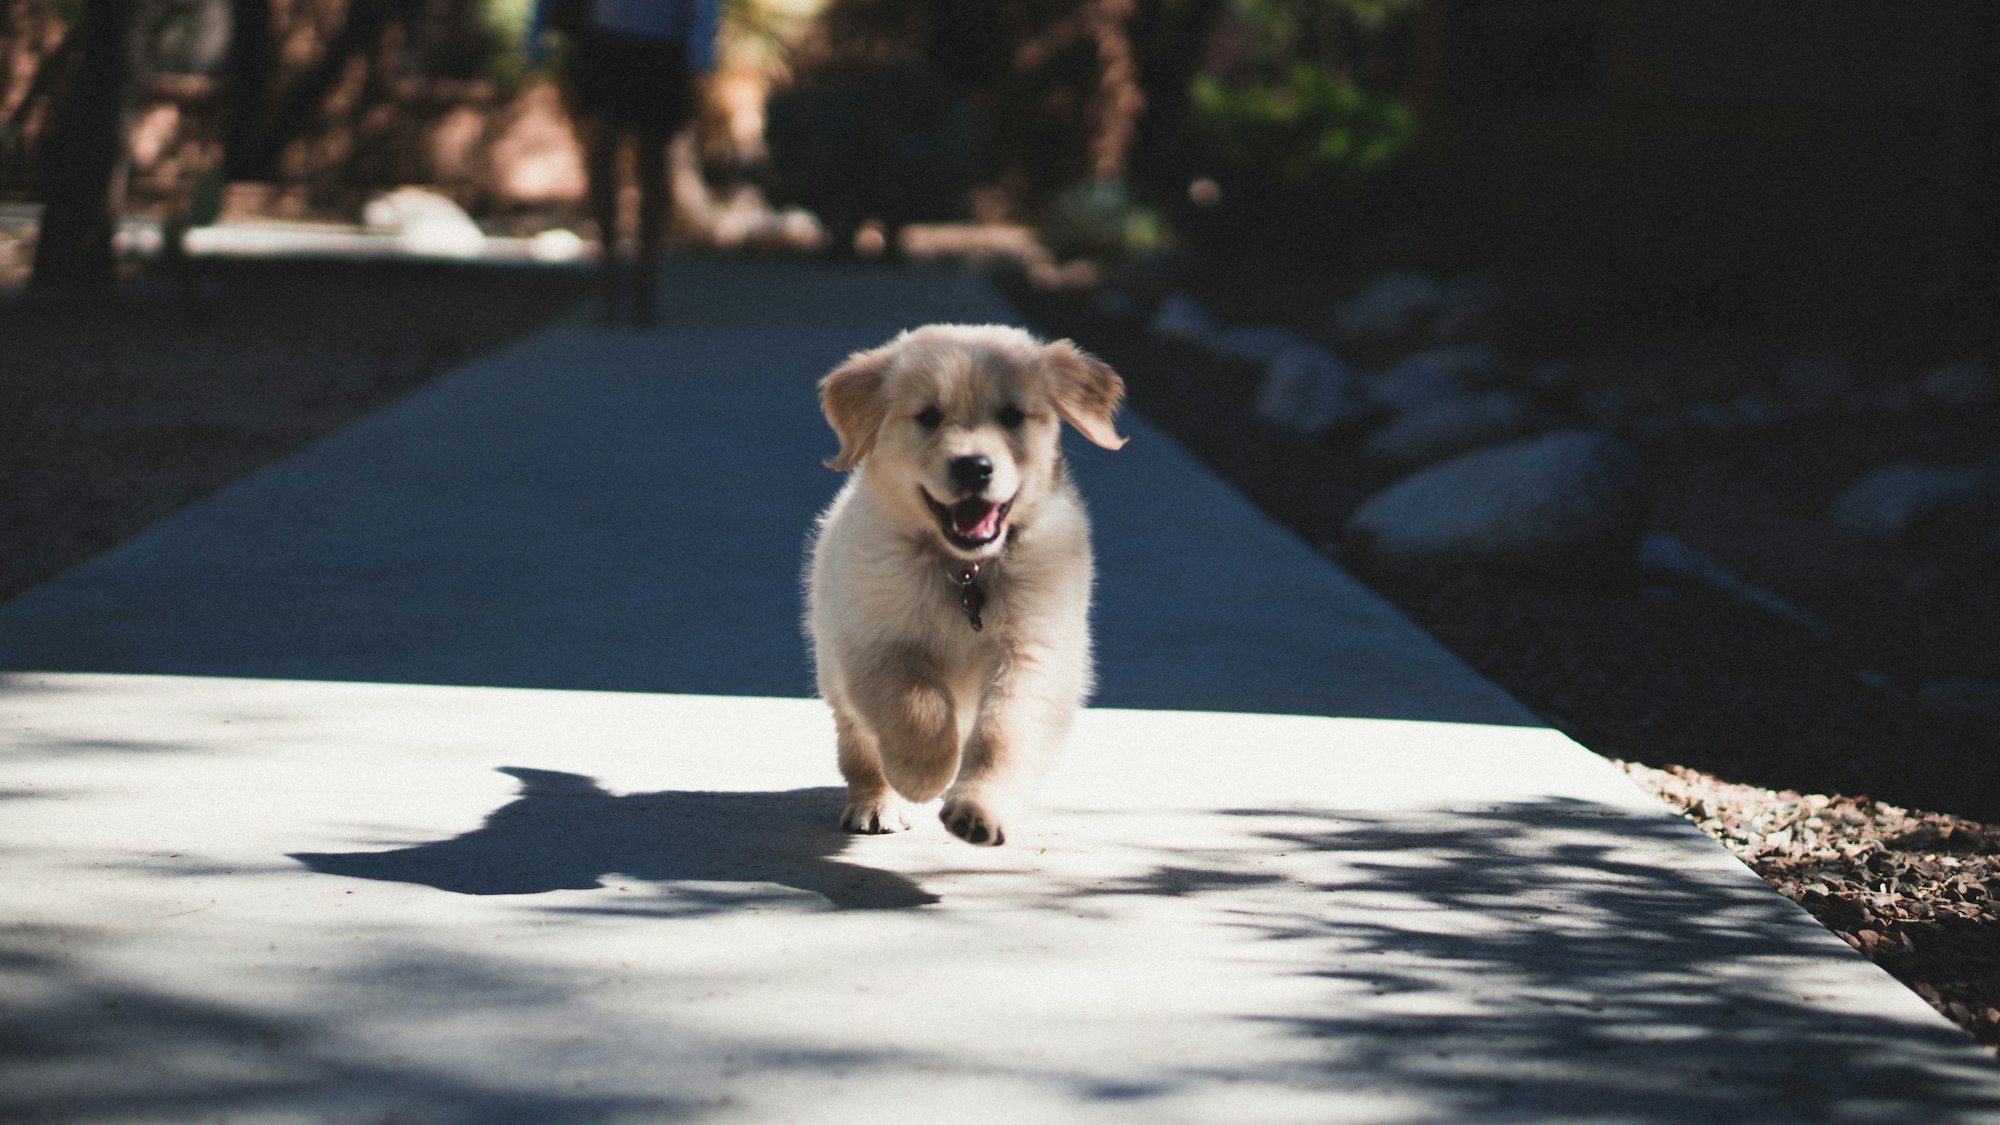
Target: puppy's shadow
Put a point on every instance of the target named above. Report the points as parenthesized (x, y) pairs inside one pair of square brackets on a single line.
[(565, 832)]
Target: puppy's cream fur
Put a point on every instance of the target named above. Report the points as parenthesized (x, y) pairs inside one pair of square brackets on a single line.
[(924, 704)]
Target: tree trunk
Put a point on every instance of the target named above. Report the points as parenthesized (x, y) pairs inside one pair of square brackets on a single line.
[(84, 158), (248, 151), (272, 105), (1170, 36)]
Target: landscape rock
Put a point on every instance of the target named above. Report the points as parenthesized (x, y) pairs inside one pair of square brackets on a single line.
[(1898, 503), (1555, 378), (1254, 343), (1568, 503), (558, 245), (1985, 553), (1744, 412), (1669, 557), (1816, 381), (1432, 376), (1753, 408), (1608, 405), (1181, 316), (1115, 305), (424, 222), (1961, 705), (1452, 426), (1392, 307), (1708, 417), (1308, 391), (1472, 310), (1896, 398), (1965, 386)]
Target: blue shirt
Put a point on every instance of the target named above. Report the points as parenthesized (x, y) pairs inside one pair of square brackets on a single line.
[(693, 22)]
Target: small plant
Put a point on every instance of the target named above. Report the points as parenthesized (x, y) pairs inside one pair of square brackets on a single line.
[(1098, 219), (1310, 136)]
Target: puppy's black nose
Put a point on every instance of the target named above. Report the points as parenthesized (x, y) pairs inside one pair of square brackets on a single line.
[(972, 473)]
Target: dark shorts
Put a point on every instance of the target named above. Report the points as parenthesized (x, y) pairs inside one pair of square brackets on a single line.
[(632, 83)]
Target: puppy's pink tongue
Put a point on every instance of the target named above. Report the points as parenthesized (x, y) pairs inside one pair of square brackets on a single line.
[(975, 519)]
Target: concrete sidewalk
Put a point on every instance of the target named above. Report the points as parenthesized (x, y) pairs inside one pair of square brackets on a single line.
[(458, 769)]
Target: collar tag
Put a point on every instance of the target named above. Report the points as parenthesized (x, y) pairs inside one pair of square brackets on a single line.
[(970, 597)]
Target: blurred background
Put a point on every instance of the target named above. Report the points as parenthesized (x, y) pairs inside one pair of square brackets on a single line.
[(1836, 153)]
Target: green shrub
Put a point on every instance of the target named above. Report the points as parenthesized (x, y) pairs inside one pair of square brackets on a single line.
[(1310, 135), (1099, 219)]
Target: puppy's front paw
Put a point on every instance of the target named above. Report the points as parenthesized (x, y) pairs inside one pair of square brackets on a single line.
[(874, 816), (973, 821)]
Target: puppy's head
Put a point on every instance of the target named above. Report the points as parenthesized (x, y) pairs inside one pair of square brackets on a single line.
[(956, 428)]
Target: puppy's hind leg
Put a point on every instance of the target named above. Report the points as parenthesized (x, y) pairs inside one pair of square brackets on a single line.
[(873, 807)]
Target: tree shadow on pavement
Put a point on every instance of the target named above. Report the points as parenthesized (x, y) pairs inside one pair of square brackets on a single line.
[(1560, 959), (565, 832), (79, 1043), (1535, 960)]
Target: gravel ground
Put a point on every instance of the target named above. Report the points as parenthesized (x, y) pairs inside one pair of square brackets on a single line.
[(1913, 890), (121, 412)]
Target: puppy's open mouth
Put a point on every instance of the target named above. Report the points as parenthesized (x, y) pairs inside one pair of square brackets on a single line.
[(971, 523)]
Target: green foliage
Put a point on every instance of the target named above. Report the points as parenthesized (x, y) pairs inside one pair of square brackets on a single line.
[(1098, 218), (1335, 32), (761, 35), (505, 27), (1310, 134), (507, 20), (1298, 123)]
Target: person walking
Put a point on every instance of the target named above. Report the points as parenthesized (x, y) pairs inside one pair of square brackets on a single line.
[(630, 73)]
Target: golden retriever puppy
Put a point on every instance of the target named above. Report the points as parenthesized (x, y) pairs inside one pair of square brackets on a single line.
[(948, 587)]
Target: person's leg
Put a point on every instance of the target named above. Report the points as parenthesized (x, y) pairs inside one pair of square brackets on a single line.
[(600, 166), (656, 205)]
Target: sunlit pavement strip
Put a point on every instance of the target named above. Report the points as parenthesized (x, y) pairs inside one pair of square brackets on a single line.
[(237, 889)]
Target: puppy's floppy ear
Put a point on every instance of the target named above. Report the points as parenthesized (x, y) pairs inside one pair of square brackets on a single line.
[(851, 398), (1086, 392)]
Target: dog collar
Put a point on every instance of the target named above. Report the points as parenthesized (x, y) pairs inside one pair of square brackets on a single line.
[(970, 597)]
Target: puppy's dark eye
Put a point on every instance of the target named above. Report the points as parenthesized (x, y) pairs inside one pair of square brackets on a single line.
[(931, 418), (1011, 417)]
